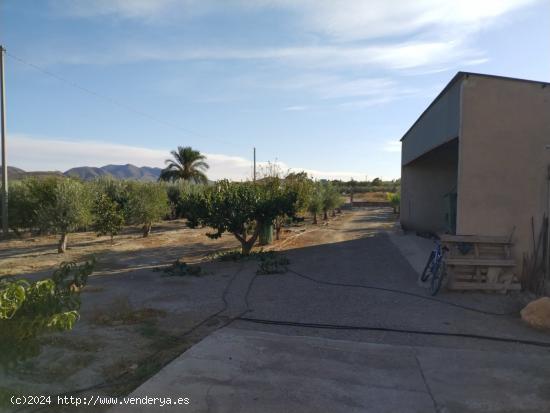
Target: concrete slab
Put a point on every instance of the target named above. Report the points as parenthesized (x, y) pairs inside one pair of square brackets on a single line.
[(468, 381), (236, 370), (415, 249)]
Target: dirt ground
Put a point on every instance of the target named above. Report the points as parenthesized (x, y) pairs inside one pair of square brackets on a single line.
[(369, 197), (134, 317)]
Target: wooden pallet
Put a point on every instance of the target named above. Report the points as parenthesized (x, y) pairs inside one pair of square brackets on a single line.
[(479, 263)]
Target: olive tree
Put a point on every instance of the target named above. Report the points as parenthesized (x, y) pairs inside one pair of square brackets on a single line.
[(22, 208), (315, 203), (240, 208), (27, 198), (331, 199), (66, 210), (147, 204)]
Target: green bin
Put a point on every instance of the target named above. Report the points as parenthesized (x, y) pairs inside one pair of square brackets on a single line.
[(266, 234)]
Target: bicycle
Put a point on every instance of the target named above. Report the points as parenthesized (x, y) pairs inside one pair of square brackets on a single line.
[(435, 268)]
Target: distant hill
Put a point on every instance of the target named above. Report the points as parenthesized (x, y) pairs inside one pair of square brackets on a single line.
[(88, 173), (18, 173), (127, 171)]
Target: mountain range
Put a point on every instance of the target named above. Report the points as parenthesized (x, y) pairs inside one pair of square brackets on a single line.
[(88, 173)]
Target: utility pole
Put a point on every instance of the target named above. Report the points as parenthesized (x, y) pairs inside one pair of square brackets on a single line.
[(3, 134), (254, 164)]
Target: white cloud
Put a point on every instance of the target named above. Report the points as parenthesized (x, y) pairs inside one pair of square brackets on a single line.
[(368, 19), (394, 56), (440, 31), (128, 9), (33, 153), (342, 21)]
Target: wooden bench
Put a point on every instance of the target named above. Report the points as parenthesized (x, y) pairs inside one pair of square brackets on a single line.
[(479, 263)]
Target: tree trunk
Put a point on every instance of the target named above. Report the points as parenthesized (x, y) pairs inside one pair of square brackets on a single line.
[(325, 216), (62, 246), (278, 233), (333, 212), (146, 230), (112, 239), (247, 245), (315, 218)]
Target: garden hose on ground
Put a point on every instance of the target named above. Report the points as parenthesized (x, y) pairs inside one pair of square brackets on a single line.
[(391, 290), (122, 378), (393, 330)]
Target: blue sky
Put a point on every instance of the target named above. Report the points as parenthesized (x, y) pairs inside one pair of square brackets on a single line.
[(317, 85)]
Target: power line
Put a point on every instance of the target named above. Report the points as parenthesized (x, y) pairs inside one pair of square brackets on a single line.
[(112, 101)]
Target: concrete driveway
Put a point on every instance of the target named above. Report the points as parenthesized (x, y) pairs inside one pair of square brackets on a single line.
[(253, 367)]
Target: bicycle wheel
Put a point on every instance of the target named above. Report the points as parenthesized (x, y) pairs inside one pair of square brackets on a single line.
[(437, 277), (427, 269)]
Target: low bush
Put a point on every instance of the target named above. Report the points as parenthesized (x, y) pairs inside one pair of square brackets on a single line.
[(31, 309)]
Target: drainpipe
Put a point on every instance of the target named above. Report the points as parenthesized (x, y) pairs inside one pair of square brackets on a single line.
[(547, 252)]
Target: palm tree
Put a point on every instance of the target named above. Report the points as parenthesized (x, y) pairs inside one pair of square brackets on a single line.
[(187, 164)]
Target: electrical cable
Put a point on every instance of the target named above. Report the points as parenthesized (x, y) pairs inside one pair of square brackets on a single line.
[(122, 378), (112, 101), (391, 290), (393, 330)]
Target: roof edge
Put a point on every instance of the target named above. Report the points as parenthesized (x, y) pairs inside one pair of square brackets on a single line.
[(459, 76)]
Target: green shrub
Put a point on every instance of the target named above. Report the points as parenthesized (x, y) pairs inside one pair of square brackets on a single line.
[(395, 201), (31, 309), (271, 263), (180, 269)]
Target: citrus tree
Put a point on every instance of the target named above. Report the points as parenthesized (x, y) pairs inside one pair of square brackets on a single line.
[(108, 217), (239, 208), (108, 206)]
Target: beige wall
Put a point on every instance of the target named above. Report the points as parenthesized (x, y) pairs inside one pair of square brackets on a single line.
[(424, 183), (502, 158)]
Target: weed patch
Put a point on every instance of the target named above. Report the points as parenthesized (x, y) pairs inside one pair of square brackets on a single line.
[(271, 263), (181, 269), (121, 312)]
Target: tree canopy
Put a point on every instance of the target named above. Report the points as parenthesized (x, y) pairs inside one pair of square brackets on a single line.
[(240, 208)]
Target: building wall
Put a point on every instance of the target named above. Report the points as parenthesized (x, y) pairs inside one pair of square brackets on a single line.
[(502, 177), (437, 125), (424, 183)]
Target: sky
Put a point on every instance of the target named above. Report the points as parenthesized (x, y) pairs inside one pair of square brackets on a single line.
[(324, 86)]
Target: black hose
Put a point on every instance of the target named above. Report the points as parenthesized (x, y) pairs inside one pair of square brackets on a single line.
[(122, 378), (391, 290), (393, 330)]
